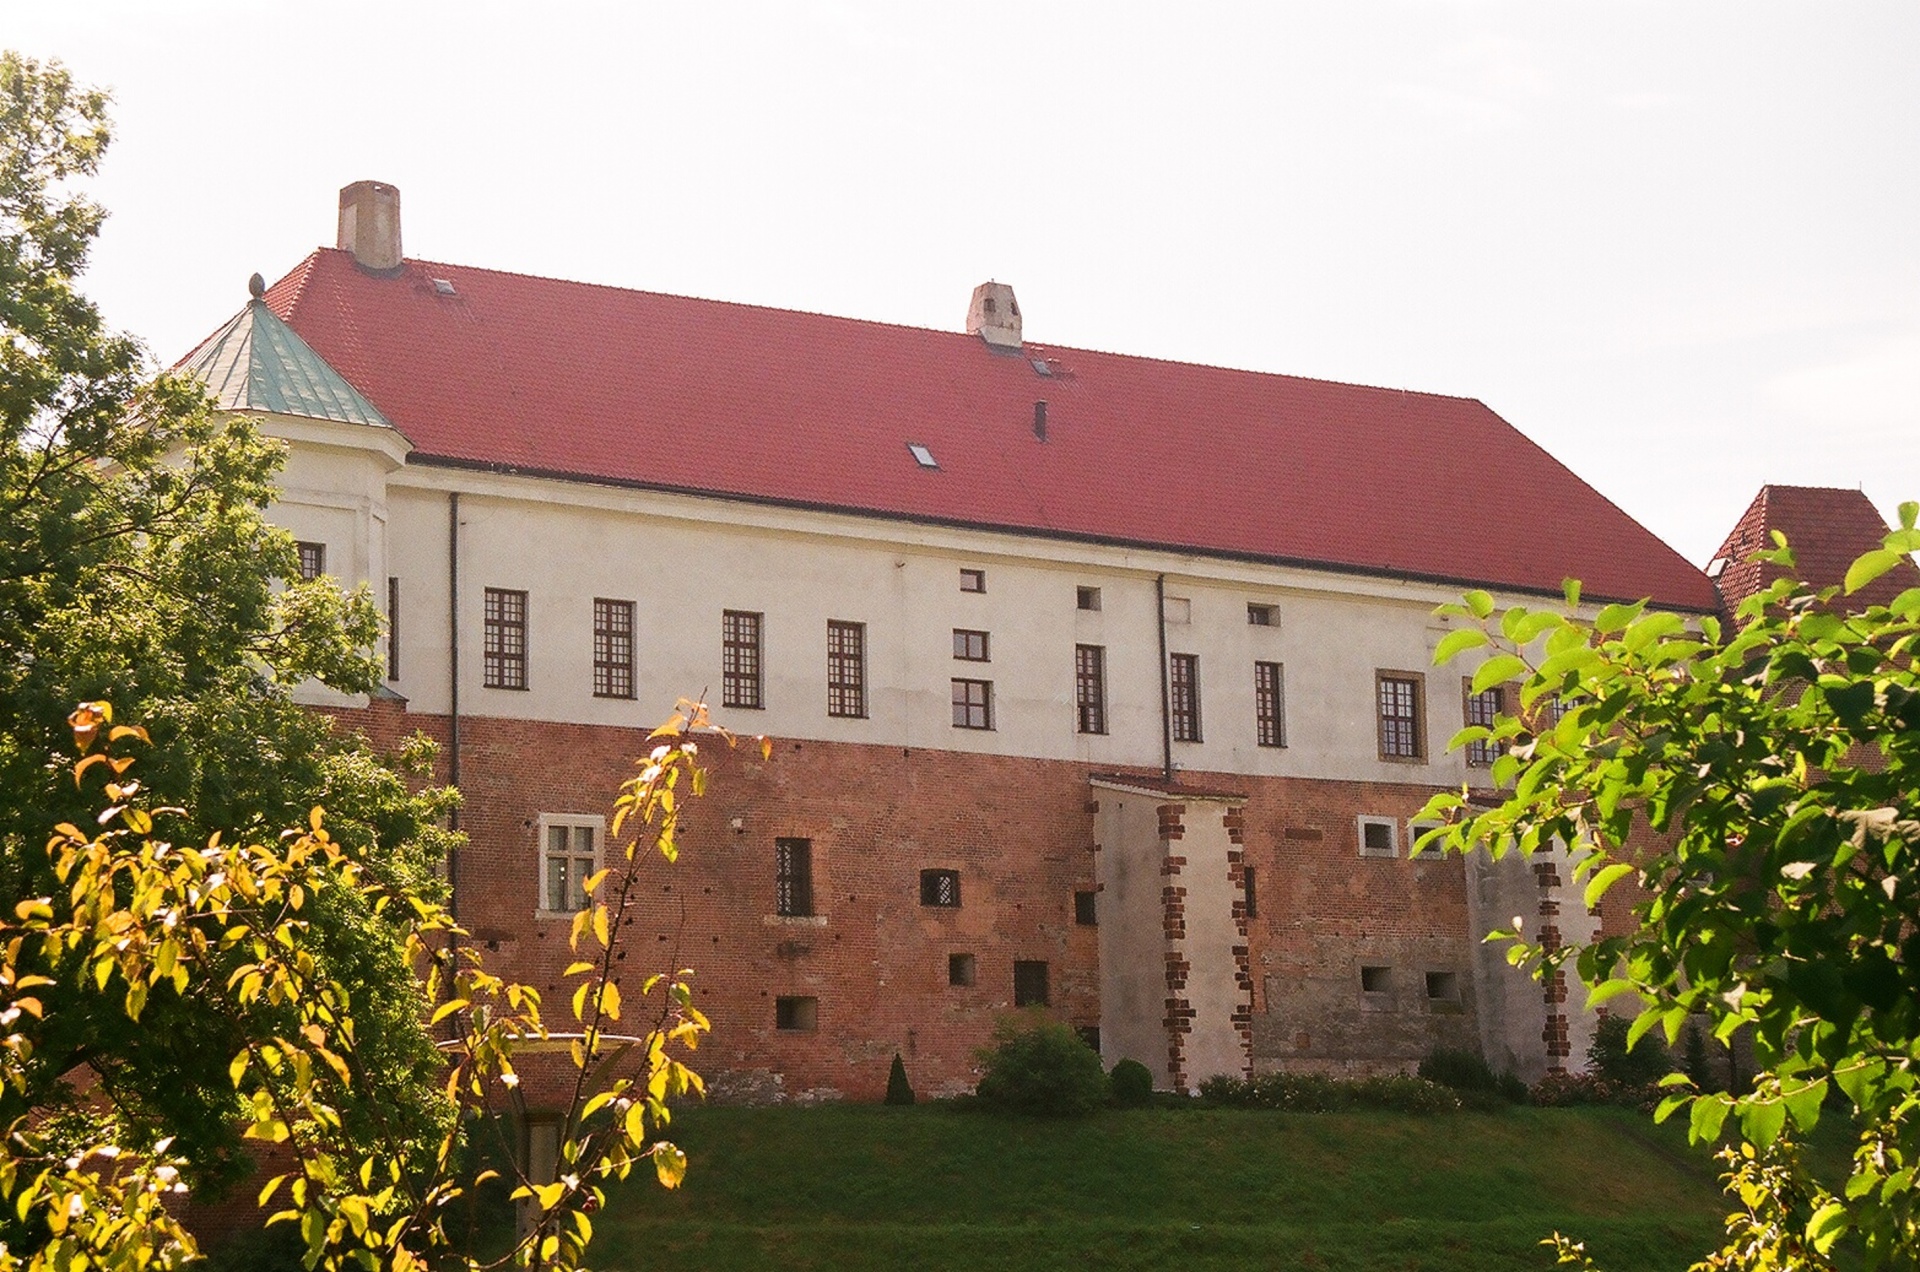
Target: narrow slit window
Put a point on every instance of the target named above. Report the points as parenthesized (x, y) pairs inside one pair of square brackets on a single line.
[(612, 648), (740, 678), (846, 669), (1269, 704), (793, 878), (1184, 688), (1090, 688), (504, 654), (393, 628)]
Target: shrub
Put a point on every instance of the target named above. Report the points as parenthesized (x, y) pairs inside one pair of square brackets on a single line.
[(899, 1090), (1461, 1070), (1132, 1084), (1317, 1093), (1697, 1063), (1041, 1067), (1644, 1065)]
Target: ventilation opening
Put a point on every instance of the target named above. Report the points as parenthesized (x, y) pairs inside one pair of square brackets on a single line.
[(798, 1014), (1443, 986), (960, 969), (1374, 980)]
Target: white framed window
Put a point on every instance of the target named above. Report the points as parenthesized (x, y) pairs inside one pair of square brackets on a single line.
[(570, 847), (1379, 836)]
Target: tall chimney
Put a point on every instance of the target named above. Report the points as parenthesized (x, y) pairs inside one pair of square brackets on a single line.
[(370, 225), (994, 316)]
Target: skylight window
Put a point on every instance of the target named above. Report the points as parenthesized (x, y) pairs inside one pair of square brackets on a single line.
[(443, 286), (922, 456), (1040, 366)]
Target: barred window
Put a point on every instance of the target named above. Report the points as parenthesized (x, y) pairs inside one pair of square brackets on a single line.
[(569, 855), (313, 560), (973, 704), (1029, 984), (940, 888), (846, 669), (1484, 709), (504, 660), (740, 660), (612, 648), (1184, 684), (1090, 688), (793, 877), (1269, 704), (393, 628), (1401, 702)]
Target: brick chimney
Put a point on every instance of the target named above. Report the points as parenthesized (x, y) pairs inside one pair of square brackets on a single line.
[(370, 225), (994, 316)]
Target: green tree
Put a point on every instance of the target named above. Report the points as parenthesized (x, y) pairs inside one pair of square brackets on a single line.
[(136, 562), (1760, 782)]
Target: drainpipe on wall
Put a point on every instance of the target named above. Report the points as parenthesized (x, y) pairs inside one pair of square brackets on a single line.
[(1166, 690), (453, 696)]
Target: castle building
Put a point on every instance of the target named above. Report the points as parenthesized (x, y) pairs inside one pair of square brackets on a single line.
[(1097, 683)]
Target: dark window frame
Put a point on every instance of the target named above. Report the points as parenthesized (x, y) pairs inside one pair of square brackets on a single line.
[(1030, 983), (393, 627), (1400, 716), (613, 622), (1270, 704), (793, 878), (963, 970), (972, 703), (972, 580), (1262, 614), (972, 645), (940, 888), (1483, 708), (504, 631), (1090, 688), (846, 669), (312, 560), (1183, 696), (742, 660), (1086, 909), (1087, 599)]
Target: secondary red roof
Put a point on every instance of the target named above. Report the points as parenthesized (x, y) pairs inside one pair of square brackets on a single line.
[(631, 387), (1827, 527)]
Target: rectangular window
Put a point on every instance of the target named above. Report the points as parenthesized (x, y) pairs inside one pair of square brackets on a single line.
[(846, 669), (1375, 980), (802, 1014), (960, 969), (504, 661), (1029, 984), (970, 646), (612, 648), (569, 855), (973, 580), (940, 888), (1087, 598), (1379, 837), (793, 878), (1250, 891), (313, 560), (1086, 910), (1269, 704), (1401, 699), (1483, 709), (740, 660), (393, 628), (1443, 987), (973, 704), (1183, 683), (1262, 615), (1090, 688), (1414, 851)]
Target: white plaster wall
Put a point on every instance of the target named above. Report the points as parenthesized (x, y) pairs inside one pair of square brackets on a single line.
[(1214, 1045), (1133, 945), (684, 560)]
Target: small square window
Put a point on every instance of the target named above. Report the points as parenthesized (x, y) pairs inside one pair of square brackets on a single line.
[(1443, 987), (1089, 1034), (1087, 598), (1374, 980), (970, 646), (960, 969), (922, 456), (1415, 851), (940, 888), (1029, 984), (1378, 837), (1086, 911), (973, 580), (1263, 615), (798, 1014)]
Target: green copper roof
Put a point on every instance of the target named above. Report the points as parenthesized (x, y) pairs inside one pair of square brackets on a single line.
[(258, 363)]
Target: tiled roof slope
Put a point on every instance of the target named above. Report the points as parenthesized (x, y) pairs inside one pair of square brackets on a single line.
[(663, 391), (258, 363), (1827, 528)]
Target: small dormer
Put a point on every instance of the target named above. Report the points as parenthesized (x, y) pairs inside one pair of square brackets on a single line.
[(994, 316)]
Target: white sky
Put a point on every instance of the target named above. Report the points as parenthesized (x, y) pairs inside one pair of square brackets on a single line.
[(1677, 245)]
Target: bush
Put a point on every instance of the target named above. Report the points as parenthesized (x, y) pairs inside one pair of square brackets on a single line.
[(1042, 1067), (1461, 1070), (899, 1090), (1316, 1093), (1564, 1090), (1132, 1084), (1645, 1065)]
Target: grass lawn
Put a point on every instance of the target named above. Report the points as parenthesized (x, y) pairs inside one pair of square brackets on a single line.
[(934, 1187)]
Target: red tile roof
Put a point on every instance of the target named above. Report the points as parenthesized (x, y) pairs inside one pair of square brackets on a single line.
[(1827, 528), (638, 388)]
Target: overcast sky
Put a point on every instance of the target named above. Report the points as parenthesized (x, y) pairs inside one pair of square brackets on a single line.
[(1677, 245)]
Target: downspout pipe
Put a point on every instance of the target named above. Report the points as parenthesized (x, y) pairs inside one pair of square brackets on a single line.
[(1166, 690), (453, 694)]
